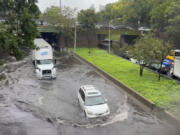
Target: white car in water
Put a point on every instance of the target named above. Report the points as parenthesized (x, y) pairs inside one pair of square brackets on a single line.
[(92, 102)]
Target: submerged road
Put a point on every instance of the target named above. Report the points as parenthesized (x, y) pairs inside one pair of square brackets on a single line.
[(29, 106)]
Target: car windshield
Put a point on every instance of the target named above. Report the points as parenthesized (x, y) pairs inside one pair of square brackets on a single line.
[(94, 100), (41, 62)]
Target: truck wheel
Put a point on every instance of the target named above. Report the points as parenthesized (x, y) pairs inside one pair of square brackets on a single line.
[(173, 76), (53, 78), (33, 62), (85, 114)]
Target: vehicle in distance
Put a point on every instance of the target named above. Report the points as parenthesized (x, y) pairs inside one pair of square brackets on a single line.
[(104, 44), (92, 102), (43, 59)]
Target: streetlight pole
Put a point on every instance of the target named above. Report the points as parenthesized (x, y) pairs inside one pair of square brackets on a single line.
[(60, 4), (109, 37), (75, 36)]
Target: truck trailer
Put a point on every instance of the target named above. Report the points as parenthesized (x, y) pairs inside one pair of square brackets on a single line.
[(43, 59), (175, 71)]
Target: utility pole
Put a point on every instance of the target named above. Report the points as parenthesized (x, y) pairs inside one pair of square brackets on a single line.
[(61, 36), (109, 37), (75, 37)]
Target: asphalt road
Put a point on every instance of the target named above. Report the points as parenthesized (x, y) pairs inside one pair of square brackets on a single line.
[(29, 106)]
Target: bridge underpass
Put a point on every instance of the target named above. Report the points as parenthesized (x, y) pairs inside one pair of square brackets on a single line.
[(122, 35), (50, 34)]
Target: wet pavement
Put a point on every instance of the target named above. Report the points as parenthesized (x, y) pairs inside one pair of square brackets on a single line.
[(29, 106)]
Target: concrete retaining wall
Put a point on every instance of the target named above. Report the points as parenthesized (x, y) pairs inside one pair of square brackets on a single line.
[(162, 114)]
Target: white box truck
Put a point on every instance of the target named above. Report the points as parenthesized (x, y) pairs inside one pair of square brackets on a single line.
[(43, 60), (175, 71)]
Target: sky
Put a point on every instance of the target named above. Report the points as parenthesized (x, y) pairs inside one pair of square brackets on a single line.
[(79, 4)]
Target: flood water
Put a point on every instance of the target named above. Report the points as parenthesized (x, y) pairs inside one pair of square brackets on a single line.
[(29, 106)]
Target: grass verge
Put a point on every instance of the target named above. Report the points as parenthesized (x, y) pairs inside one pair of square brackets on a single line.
[(165, 94)]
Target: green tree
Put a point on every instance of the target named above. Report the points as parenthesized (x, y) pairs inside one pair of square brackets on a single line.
[(161, 49), (87, 20), (53, 16), (69, 21), (173, 28), (19, 16), (105, 15), (63, 19), (8, 42), (159, 18), (149, 49), (128, 12), (165, 17), (4, 39), (143, 51)]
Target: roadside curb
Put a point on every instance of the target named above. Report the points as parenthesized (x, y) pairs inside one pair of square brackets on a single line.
[(163, 113)]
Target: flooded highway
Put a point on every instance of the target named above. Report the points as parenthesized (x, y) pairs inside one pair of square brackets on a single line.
[(29, 106)]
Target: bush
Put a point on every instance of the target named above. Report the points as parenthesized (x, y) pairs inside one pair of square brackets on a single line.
[(18, 53)]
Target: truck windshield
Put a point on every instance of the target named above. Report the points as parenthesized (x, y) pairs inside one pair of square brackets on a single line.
[(41, 62)]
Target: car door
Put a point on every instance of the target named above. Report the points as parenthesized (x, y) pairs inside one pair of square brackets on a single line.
[(81, 98)]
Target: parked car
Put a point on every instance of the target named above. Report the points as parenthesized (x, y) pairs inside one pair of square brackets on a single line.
[(125, 55), (92, 102), (123, 27), (166, 66), (107, 27), (104, 44), (154, 66), (144, 29)]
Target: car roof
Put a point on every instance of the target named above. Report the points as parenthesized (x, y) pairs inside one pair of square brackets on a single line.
[(90, 90)]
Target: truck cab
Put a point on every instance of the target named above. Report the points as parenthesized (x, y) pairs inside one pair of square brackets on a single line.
[(43, 60)]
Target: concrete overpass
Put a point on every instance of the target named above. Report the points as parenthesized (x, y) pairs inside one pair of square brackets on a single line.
[(52, 29), (50, 33)]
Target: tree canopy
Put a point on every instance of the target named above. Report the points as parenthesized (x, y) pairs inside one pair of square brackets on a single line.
[(160, 15), (61, 18), (19, 24), (150, 49), (87, 20)]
